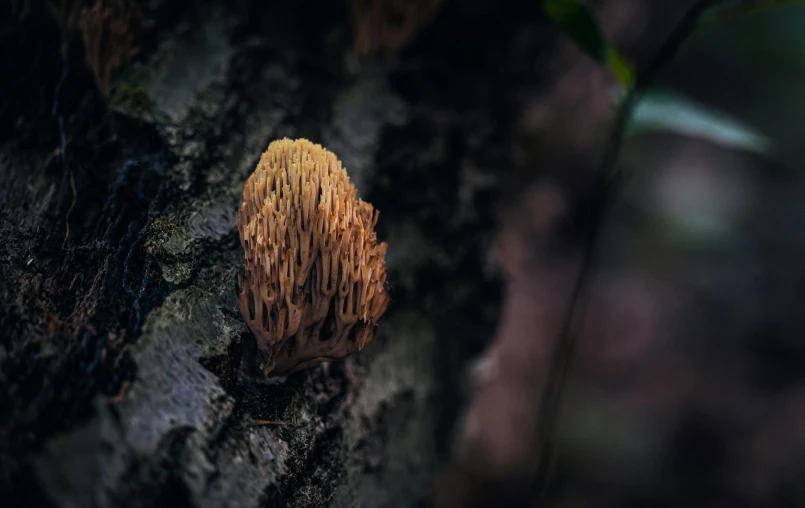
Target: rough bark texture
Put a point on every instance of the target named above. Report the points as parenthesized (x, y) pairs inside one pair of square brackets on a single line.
[(121, 334)]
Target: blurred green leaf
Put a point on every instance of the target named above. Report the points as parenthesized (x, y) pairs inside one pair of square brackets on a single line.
[(662, 110), (621, 67), (577, 19)]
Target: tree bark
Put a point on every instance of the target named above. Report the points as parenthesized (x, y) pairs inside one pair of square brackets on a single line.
[(119, 254)]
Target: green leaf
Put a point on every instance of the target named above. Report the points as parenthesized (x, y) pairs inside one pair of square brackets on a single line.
[(662, 110), (577, 19), (621, 67)]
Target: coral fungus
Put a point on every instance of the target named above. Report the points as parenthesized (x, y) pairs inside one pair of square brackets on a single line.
[(387, 25), (108, 29), (315, 279)]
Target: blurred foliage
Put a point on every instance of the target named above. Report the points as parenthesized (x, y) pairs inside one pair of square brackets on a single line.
[(762, 43), (752, 66), (662, 109), (578, 20)]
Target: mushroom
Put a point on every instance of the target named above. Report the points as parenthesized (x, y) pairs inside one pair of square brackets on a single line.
[(315, 280), (387, 25)]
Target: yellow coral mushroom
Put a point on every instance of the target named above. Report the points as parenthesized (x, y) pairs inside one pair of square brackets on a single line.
[(315, 280)]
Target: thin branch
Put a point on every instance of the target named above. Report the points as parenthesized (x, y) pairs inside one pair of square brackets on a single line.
[(609, 177)]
